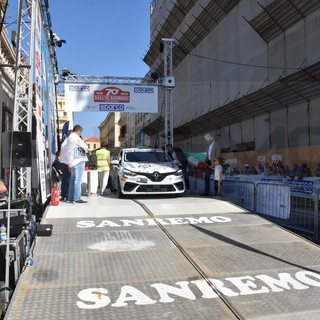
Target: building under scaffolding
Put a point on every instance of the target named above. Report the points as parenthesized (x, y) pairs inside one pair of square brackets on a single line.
[(245, 70)]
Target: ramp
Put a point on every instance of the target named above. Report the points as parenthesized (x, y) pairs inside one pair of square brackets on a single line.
[(184, 258)]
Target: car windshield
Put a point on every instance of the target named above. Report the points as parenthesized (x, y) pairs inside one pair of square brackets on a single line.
[(146, 157)]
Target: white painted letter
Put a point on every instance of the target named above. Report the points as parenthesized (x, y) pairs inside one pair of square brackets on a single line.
[(220, 287), (107, 223), (128, 223), (97, 296), (284, 281), (302, 276), (206, 290), (177, 221), (162, 222), (220, 219), (164, 289), (151, 222), (129, 293), (245, 285), (199, 220), (85, 224)]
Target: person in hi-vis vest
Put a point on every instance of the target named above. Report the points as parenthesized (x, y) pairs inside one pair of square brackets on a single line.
[(103, 166)]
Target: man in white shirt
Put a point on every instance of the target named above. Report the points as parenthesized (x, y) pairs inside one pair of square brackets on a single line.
[(73, 153)]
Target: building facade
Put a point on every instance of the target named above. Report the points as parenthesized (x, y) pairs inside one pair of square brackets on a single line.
[(246, 71), (93, 143), (62, 115), (132, 130), (110, 131)]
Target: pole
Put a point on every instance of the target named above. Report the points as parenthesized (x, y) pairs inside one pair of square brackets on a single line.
[(167, 63)]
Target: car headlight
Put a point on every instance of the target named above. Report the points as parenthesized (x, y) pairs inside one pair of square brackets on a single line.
[(178, 173), (128, 173)]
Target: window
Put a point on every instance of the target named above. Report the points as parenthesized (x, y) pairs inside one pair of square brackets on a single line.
[(146, 157)]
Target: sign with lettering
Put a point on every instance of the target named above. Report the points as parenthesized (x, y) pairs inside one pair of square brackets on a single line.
[(103, 97)]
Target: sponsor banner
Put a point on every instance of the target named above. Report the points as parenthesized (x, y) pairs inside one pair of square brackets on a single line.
[(232, 162), (276, 159), (40, 137), (261, 160), (81, 97)]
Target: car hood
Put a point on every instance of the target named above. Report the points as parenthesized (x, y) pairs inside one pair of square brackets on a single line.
[(149, 167)]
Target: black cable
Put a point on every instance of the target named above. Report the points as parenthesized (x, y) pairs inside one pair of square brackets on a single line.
[(243, 64)]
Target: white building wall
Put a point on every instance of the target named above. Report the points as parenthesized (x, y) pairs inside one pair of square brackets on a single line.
[(210, 82)]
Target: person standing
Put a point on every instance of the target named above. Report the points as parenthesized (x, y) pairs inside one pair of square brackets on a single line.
[(73, 152), (217, 177), (64, 175), (213, 152), (103, 166), (178, 156)]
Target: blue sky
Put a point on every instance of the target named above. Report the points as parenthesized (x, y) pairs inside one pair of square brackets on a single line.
[(103, 37)]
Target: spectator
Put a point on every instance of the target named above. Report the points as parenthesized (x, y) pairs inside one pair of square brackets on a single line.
[(63, 175), (317, 171), (247, 169), (305, 171), (103, 166), (260, 168), (284, 170), (295, 172), (73, 151), (266, 168), (217, 177), (236, 170), (228, 170), (213, 152), (178, 156)]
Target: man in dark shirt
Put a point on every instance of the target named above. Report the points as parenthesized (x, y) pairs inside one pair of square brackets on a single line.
[(63, 174), (178, 156)]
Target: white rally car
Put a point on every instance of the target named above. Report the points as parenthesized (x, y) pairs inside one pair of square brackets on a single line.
[(139, 171)]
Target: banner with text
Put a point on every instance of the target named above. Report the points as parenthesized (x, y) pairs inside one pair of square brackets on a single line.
[(118, 98)]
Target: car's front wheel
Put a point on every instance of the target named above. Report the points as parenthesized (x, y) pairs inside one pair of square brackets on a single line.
[(119, 192)]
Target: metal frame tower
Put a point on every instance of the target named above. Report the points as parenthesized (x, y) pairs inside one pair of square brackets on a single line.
[(23, 85), (168, 83)]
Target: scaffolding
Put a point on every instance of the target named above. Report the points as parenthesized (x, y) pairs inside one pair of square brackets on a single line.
[(23, 87)]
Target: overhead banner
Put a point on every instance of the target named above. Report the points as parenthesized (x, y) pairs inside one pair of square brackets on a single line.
[(81, 97)]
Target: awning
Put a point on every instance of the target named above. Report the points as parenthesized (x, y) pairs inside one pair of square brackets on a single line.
[(154, 127), (298, 87), (279, 16)]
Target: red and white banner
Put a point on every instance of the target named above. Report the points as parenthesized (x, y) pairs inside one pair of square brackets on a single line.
[(85, 97), (276, 159)]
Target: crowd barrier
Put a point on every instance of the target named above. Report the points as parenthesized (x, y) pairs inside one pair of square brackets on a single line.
[(289, 203)]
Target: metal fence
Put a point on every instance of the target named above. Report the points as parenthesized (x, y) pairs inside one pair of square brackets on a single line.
[(293, 206)]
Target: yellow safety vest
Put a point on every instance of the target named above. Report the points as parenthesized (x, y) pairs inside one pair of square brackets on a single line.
[(102, 159)]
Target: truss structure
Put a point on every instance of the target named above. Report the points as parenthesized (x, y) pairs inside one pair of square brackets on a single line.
[(167, 63), (23, 86), (75, 78)]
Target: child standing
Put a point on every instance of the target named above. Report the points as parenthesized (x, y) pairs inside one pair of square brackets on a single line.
[(217, 177)]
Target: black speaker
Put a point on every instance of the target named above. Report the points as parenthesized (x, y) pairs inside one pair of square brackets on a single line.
[(20, 142)]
